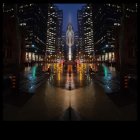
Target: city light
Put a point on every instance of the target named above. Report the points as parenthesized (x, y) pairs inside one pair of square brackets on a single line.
[(79, 61), (34, 71)]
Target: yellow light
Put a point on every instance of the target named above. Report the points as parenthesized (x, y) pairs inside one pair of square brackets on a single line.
[(59, 76)]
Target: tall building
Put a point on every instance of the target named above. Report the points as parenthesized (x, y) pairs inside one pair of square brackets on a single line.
[(106, 17), (106, 20), (76, 47), (60, 25), (32, 17), (129, 41), (85, 29), (13, 40), (64, 48), (80, 31), (54, 29)]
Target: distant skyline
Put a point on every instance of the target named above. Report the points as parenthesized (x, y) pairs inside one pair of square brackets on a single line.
[(70, 14)]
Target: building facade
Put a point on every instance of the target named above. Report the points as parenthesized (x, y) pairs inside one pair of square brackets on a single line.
[(13, 41), (54, 29), (106, 18), (33, 18), (85, 29)]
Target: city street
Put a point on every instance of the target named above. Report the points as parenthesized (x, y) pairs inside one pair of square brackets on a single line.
[(65, 96), (69, 62)]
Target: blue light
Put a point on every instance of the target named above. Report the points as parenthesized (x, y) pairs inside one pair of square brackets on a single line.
[(33, 45)]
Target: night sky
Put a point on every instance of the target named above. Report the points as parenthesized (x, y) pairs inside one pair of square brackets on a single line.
[(70, 10)]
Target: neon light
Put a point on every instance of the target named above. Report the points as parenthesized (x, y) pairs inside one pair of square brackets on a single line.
[(34, 71), (105, 70)]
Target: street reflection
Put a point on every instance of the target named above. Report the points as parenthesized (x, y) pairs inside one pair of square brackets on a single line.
[(69, 79)]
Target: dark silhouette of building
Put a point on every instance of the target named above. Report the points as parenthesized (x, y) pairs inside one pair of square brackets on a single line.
[(10, 44), (33, 17), (130, 44), (106, 18)]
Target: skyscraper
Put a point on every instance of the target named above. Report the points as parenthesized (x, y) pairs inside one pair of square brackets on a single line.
[(54, 29), (33, 17), (85, 29), (106, 17)]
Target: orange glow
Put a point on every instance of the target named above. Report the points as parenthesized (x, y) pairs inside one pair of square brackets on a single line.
[(69, 68)]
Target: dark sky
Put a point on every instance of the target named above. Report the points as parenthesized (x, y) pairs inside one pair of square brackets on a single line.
[(69, 10)]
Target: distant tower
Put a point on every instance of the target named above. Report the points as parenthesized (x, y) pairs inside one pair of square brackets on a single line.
[(69, 40)]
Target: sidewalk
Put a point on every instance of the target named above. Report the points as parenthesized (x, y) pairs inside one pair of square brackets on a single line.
[(111, 85)]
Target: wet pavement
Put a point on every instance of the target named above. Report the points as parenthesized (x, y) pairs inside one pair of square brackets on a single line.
[(68, 97)]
